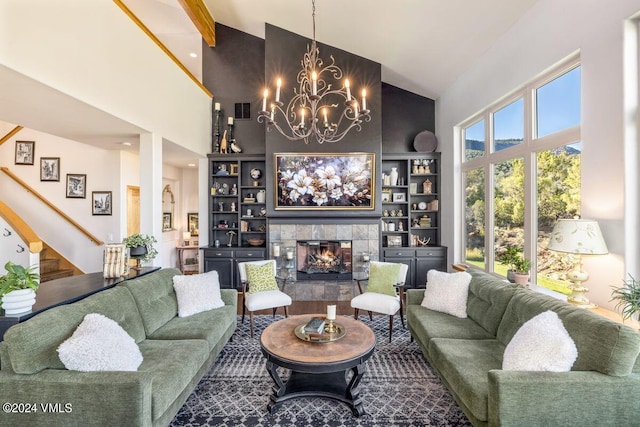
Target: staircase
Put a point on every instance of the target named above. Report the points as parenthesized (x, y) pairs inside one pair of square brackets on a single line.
[(53, 266)]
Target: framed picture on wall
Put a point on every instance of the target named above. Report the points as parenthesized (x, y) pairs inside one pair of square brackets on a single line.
[(76, 186), (101, 202), (327, 181), (49, 168), (25, 152), (192, 223), (166, 221)]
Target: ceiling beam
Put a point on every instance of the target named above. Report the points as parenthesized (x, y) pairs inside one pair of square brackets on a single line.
[(201, 18)]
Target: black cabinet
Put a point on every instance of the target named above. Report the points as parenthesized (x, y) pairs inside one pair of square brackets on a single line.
[(225, 262), (221, 260), (434, 258), (419, 260)]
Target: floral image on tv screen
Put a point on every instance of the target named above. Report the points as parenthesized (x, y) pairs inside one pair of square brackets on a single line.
[(325, 181)]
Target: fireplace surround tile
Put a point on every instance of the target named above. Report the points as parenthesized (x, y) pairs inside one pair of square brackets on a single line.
[(364, 236)]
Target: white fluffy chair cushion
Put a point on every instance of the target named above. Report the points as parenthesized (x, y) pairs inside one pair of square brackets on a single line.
[(100, 344), (379, 303), (197, 293), (541, 344), (266, 299), (447, 292)]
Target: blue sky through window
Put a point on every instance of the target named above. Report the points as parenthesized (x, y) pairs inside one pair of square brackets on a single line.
[(559, 103)]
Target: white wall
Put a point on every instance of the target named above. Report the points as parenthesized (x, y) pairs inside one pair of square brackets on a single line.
[(13, 249), (93, 52), (102, 169), (547, 33)]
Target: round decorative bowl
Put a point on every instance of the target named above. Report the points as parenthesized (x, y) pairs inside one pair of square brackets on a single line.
[(255, 242)]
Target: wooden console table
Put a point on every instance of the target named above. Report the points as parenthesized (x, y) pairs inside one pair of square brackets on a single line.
[(66, 291)]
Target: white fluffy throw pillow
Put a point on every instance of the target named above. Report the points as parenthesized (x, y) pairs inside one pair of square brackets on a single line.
[(447, 292), (541, 344), (197, 293), (100, 344)]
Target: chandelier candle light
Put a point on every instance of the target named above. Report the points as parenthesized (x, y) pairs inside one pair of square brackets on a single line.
[(311, 113)]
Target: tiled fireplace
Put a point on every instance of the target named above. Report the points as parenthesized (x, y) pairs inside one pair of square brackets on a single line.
[(363, 236)]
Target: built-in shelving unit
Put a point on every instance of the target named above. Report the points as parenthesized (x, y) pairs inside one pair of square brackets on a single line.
[(410, 231)]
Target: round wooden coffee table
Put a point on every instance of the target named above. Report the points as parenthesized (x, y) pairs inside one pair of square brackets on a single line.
[(318, 369)]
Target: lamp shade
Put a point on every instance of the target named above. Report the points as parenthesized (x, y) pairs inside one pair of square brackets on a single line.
[(186, 235), (577, 236)]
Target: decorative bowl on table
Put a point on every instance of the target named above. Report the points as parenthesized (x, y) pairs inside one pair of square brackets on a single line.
[(255, 241)]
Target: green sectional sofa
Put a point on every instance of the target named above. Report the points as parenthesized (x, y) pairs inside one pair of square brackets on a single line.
[(601, 389), (177, 353)]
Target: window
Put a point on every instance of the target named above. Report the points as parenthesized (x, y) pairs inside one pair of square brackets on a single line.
[(474, 140), (508, 207), (474, 217), (508, 125), (558, 189), (523, 148), (558, 103)]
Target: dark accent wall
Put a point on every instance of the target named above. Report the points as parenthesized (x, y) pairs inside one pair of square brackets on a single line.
[(283, 52), (234, 72), (238, 67), (404, 115)]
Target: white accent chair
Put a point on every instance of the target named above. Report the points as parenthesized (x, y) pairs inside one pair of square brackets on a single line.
[(382, 303), (260, 300)]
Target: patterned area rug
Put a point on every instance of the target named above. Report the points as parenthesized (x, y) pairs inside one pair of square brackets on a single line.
[(398, 389)]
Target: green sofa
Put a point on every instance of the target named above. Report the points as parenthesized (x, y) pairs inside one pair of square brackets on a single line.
[(601, 389), (177, 353)]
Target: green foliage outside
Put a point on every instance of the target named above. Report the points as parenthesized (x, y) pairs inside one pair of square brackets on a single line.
[(558, 188)]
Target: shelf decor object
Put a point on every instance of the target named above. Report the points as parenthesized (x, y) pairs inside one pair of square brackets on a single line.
[(579, 237), (311, 112), (324, 181)]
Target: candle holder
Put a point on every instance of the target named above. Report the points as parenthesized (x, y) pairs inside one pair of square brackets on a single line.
[(216, 133), (330, 327)]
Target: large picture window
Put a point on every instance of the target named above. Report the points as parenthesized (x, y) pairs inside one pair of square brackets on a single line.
[(521, 172)]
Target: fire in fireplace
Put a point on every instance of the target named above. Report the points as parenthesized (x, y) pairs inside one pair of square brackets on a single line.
[(324, 260)]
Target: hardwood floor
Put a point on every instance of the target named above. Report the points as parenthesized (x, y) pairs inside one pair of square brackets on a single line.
[(307, 307)]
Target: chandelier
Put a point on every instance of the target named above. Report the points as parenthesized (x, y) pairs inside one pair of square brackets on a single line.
[(317, 109)]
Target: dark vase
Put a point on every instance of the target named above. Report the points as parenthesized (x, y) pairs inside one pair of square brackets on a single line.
[(138, 251)]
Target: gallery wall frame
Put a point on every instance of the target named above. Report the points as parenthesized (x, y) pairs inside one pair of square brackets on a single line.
[(50, 169), (192, 223), (101, 202), (76, 186), (166, 221), (25, 152), (324, 181)]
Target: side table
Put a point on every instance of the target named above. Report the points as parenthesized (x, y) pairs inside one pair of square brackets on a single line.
[(188, 268)]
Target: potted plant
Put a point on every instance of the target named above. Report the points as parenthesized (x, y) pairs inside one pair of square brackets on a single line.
[(141, 247), (509, 257), (628, 297), (521, 266), (18, 288)]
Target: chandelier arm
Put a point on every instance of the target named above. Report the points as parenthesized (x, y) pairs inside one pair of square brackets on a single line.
[(316, 96)]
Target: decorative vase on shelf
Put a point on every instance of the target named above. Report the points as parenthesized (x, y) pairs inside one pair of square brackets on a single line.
[(261, 196), (18, 301), (393, 176)]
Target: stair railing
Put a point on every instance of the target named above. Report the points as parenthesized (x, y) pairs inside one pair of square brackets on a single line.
[(52, 206), (22, 228)]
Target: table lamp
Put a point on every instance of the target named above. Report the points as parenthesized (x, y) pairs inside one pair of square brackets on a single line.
[(578, 237), (186, 236)]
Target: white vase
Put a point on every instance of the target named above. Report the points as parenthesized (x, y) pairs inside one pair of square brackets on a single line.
[(20, 301), (393, 176), (261, 196)]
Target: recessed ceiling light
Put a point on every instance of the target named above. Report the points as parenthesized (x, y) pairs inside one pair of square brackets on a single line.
[(191, 165), (128, 144), (193, 55)]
